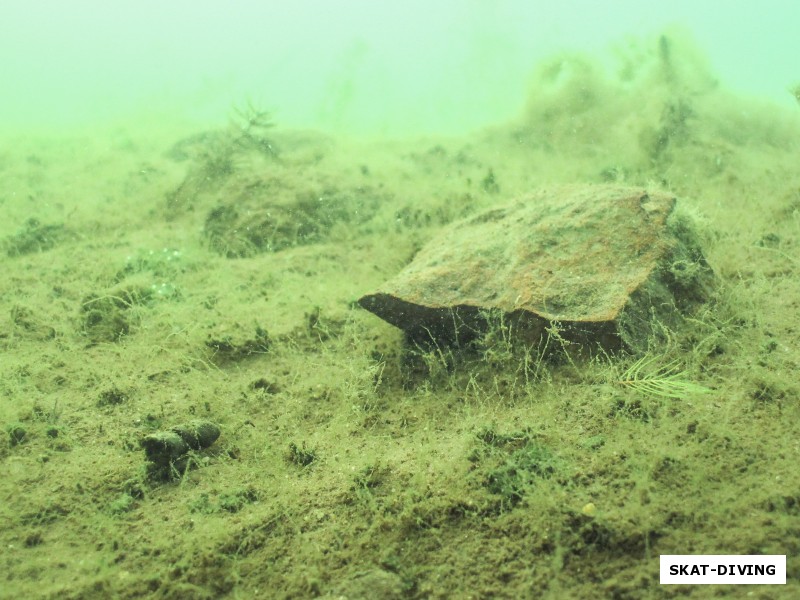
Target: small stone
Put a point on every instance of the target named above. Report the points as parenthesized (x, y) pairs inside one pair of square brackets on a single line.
[(198, 434), (16, 434), (168, 452), (164, 447)]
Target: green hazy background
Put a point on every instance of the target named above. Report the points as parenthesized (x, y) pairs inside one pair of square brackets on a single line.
[(439, 66)]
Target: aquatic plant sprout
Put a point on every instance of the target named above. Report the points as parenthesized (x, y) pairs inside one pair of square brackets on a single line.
[(665, 381)]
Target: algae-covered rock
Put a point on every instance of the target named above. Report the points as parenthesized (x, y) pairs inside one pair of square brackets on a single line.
[(167, 452), (611, 265)]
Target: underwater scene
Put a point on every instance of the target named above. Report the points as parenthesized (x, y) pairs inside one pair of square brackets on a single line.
[(521, 355)]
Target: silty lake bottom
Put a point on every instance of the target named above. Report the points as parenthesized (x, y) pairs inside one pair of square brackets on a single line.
[(197, 289)]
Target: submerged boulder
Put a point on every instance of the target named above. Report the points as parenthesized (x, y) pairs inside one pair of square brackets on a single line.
[(608, 265)]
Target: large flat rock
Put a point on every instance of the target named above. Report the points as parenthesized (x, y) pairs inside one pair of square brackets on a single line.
[(610, 265)]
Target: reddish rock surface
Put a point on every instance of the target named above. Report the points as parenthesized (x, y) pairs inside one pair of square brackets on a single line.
[(602, 261)]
